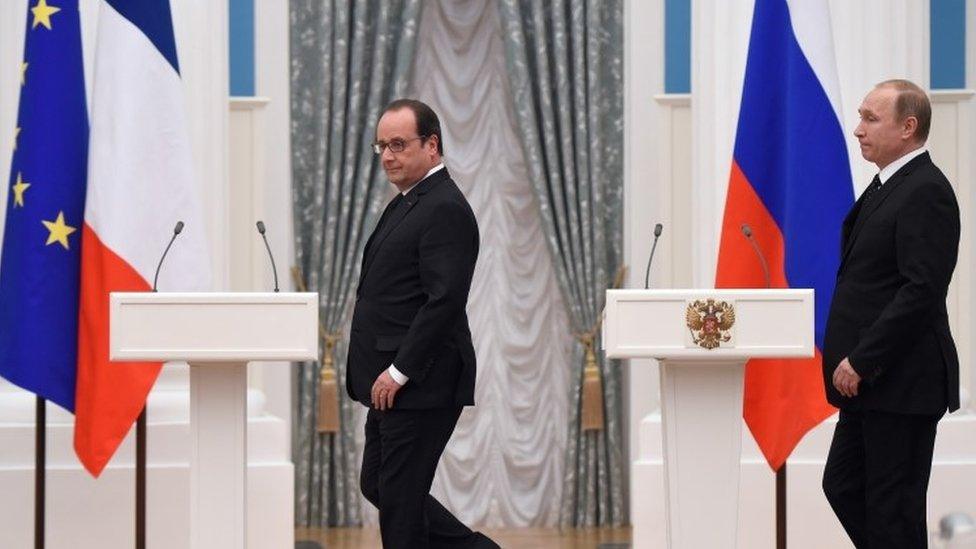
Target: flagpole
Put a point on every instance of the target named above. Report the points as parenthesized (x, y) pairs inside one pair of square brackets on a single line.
[(141, 480), (781, 472), (40, 469), (781, 507)]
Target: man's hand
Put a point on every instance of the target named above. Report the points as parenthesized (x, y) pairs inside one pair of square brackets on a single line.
[(384, 390), (846, 379)]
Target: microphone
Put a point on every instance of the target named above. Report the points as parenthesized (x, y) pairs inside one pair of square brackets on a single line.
[(657, 234), (274, 269), (747, 231), (176, 231)]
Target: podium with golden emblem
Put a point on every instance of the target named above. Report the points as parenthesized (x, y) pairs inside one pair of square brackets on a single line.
[(703, 339)]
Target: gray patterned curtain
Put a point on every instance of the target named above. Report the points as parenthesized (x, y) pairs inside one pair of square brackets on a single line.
[(565, 60), (349, 58)]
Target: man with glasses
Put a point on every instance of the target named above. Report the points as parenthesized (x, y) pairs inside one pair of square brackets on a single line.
[(411, 361)]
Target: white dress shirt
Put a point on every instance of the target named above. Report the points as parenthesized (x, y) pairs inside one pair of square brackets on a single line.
[(889, 170)]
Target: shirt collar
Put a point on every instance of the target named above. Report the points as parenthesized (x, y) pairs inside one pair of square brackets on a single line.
[(432, 171), (889, 170)]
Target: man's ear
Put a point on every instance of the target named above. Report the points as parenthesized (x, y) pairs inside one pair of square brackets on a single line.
[(908, 127)]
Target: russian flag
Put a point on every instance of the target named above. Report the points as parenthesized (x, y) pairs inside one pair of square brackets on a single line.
[(140, 183), (791, 182)]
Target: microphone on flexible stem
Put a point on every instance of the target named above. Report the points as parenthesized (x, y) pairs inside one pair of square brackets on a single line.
[(176, 231), (647, 274), (747, 231), (274, 269)]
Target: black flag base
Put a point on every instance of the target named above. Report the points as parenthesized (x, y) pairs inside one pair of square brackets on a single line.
[(40, 469), (141, 480), (781, 507)]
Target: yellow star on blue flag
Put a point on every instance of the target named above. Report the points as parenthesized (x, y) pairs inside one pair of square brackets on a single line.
[(19, 188), (42, 14), (58, 231)]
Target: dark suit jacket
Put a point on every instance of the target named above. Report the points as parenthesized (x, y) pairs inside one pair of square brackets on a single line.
[(888, 313), (410, 303)]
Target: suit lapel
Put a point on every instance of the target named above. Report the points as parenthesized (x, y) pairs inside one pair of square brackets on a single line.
[(379, 226), (380, 235), (856, 218), (848, 225), (394, 217)]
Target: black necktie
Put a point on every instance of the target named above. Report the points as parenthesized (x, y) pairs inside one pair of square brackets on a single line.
[(396, 201), (868, 195), (872, 189), (390, 208), (387, 212)]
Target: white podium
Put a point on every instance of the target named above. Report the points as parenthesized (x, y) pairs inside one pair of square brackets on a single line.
[(217, 334), (703, 339)]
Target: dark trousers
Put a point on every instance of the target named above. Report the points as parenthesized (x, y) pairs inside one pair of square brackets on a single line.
[(877, 475), (399, 460)]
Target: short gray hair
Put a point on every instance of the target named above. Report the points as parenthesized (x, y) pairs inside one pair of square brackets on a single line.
[(912, 101)]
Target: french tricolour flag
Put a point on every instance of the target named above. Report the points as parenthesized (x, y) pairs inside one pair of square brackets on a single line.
[(140, 183), (791, 182)]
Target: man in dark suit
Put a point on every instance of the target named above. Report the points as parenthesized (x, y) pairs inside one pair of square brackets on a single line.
[(411, 361), (890, 364)]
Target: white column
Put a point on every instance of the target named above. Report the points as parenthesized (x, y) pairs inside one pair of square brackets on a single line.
[(951, 144), (272, 80), (644, 205)]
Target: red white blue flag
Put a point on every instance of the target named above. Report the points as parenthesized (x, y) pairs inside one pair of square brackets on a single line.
[(93, 198), (140, 184), (791, 182)]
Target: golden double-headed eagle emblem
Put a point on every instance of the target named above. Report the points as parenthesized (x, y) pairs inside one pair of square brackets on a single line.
[(710, 322)]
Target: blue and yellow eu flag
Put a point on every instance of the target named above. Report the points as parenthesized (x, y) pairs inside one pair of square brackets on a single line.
[(40, 258)]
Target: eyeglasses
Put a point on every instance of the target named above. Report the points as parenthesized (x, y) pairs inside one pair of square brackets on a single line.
[(395, 145)]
